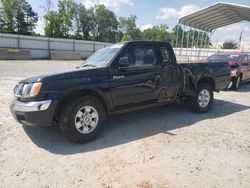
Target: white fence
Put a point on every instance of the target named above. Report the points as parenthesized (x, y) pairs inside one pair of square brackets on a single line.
[(40, 47)]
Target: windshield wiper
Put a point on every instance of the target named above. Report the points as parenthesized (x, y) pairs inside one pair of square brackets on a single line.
[(89, 65), (86, 65)]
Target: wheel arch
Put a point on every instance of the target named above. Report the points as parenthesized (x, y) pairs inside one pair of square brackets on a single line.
[(79, 93), (207, 80)]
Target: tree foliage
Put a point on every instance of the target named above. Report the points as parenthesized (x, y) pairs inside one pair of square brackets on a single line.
[(60, 23), (129, 29), (106, 24), (230, 44), (17, 16), (159, 33)]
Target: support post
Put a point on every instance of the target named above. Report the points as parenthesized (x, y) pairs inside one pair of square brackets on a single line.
[(197, 44), (191, 53), (177, 34), (187, 44), (200, 45), (205, 44), (182, 39), (49, 48), (94, 47)]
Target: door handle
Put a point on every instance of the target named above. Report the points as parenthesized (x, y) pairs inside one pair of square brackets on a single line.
[(157, 81)]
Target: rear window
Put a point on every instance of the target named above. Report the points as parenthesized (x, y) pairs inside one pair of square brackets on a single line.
[(224, 58)]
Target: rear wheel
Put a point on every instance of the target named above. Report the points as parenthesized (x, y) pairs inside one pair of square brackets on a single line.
[(82, 119), (203, 99), (236, 82)]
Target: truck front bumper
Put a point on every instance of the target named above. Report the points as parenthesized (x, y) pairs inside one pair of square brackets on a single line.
[(33, 113)]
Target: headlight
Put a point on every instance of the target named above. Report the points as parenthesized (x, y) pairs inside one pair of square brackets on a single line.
[(35, 89), (27, 90)]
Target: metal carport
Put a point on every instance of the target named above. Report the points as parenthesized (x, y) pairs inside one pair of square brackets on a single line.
[(210, 18)]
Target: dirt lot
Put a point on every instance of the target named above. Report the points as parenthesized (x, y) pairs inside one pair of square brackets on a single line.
[(162, 147)]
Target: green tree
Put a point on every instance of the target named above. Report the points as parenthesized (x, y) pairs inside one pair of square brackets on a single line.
[(17, 16), (230, 44), (2, 23), (66, 10), (106, 24), (158, 33), (46, 7), (84, 21), (127, 26), (126, 37), (60, 23), (53, 27)]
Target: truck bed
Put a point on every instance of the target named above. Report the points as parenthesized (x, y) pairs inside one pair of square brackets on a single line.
[(220, 72)]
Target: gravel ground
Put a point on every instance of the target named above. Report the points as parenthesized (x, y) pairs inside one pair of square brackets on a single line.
[(161, 147)]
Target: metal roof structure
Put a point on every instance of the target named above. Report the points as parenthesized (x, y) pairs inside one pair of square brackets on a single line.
[(215, 16)]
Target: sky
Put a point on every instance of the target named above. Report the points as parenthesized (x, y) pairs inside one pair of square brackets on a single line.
[(150, 13)]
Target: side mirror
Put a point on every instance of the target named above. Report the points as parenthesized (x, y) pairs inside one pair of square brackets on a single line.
[(123, 62)]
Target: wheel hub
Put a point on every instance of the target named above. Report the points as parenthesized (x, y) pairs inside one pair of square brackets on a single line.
[(204, 98), (86, 119)]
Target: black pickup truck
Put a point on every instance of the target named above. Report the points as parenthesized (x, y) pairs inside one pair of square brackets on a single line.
[(119, 78)]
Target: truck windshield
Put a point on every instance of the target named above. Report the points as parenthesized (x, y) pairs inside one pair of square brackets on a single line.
[(224, 58), (103, 56)]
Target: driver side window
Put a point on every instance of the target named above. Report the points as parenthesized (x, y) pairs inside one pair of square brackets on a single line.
[(165, 54), (139, 56)]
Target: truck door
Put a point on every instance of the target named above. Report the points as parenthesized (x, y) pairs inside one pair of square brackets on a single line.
[(170, 79), (138, 81)]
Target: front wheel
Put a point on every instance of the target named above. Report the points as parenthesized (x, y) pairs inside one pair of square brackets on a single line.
[(82, 119), (203, 99)]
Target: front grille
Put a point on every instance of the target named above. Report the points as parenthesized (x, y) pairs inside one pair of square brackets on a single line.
[(18, 90), (22, 90)]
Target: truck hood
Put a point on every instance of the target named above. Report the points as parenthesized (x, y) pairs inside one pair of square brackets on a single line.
[(82, 72)]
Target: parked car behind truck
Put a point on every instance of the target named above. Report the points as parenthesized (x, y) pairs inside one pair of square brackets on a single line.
[(119, 78), (239, 64)]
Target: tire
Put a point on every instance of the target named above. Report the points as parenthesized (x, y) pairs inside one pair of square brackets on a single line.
[(200, 103), (82, 119), (236, 83)]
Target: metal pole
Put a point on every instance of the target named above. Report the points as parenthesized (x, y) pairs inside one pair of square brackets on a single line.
[(206, 41), (182, 38), (18, 37), (49, 48), (18, 40), (197, 43), (210, 38), (192, 43), (187, 43), (208, 44), (177, 34), (200, 46)]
